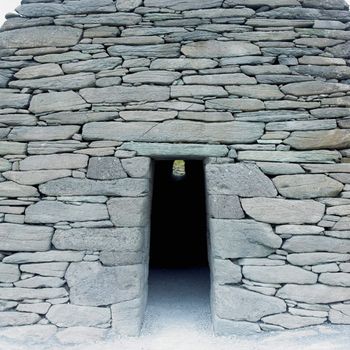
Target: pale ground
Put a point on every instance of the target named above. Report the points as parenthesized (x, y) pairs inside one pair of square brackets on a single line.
[(178, 318)]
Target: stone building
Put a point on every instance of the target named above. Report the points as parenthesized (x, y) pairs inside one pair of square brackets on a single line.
[(94, 93)]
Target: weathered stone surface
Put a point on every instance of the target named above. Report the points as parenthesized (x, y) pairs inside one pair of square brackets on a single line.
[(182, 5), (129, 212), (213, 48), (116, 258), (326, 72), (271, 116), (86, 187), (81, 335), (95, 65), (161, 77), (35, 177), (218, 12), (279, 274), (111, 19), (54, 161), (307, 186), (47, 133), (206, 116), (313, 87), (308, 244), (41, 36), (244, 180), (25, 237), (260, 3), (163, 50), (226, 272), (85, 278), (14, 318), (122, 94), (128, 5), (235, 104), (50, 256), (220, 79), (11, 148), (236, 303), (57, 102), (242, 238), (299, 229), (225, 207), (196, 90), (183, 63), (77, 117), (106, 239), (38, 308), (39, 71), (40, 282), (148, 116), (35, 333), (340, 314), (313, 294), (28, 293), (12, 189), (51, 269), (68, 315), (13, 100), (335, 279), (174, 131), (105, 168), (293, 321), (327, 168), (224, 327), (283, 211), (324, 124), (328, 139), (55, 211), (17, 119), (261, 91), (52, 147), (9, 273)]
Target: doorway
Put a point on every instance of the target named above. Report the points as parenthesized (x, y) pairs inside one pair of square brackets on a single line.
[(179, 278)]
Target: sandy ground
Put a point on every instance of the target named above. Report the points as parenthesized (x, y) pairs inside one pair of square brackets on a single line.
[(178, 318)]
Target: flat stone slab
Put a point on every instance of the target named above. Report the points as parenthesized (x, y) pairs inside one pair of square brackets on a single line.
[(302, 259), (283, 211), (49, 256), (81, 335), (233, 239), (14, 318), (293, 321), (13, 189), (9, 273), (35, 177), (54, 161), (29, 293)]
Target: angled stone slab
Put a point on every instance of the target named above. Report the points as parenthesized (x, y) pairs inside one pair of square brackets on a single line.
[(14, 318), (17, 119), (314, 88), (51, 269), (85, 187), (161, 77), (302, 125), (42, 36), (35, 177), (166, 150), (13, 189), (14, 237), (54, 161), (77, 117), (214, 48), (220, 79), (49, 256), (283, 211), (103, 239), (196, 90), (29, 293), (233, 239), (183, 4), (289, 321), (13, 100), (96, 65), (183, 63), (123, 94), (340, 314), (12, 148), (55, 211), (302, 259), (244, 180), (234, 303), (163, 50), (39, 71), (108, 19), (260, 3), (326, 72), (335, 279), (261, 91), (9, 273), (271, 116), (44, 133), (236, 104), (219, 12)]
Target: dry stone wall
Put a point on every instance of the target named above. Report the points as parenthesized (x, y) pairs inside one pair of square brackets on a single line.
[(92, 90)]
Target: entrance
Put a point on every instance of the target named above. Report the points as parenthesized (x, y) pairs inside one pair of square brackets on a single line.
[(179, 285)]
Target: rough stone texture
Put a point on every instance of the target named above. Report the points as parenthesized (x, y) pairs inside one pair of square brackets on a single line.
[(13, 318), (293, 321), (105, 168), (59, 161)]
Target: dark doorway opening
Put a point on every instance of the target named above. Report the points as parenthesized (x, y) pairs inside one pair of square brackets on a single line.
[(178, 221)]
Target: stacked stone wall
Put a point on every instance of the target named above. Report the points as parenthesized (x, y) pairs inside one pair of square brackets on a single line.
[(91, 91)]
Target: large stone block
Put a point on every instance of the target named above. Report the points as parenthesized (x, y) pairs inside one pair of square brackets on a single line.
[(106, 239), (90, 283), (25, 238), (13, 100), (340, 314), (55, 211), (14, 318), (303, 259), (244, 180), (240, 304), (105, 168), (335, 279), (289, 321), (307, 186), (12, 148), (182, 5), (129, 212), (54, 161), (35, 177), (259, 3), (68, 315), (233, 239), (41, 36), (224, 207), (12, 189), (283, 211), (313, 87), (163, 50), (51, 269), (29, 293), (9, 273)]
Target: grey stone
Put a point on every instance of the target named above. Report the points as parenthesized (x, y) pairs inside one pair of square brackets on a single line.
[(77, 117), (225, 207), (327, 168), (137, 167), (335, 279), (327, 72), (122, 94), (213, 48), (40, 282), (244, 180), (307, 186), (290, 156), (260, 3), (115, 258), (174, 131), (163, 150), (51, 269), (7, 305), (86, 187), (271, 116), (35, 177), (279, 274), (161, 77), (183, 63), (5, 77), (29, 293), (105, 168), (313, 87), (12, 189), (81, 335), (163, 50), (42, 36), (14, 318), (17, 119), (35, 333), (39, 71), (68, 315), (220, 79), (313, 294), (226, 272), (242, 238), (49, 256), (25, 237), (235, 104), (51, 147), (85, 278), (219, 12), (271, 168), (129, 212), (318, 42), (241, 328), (196, 90), (12, 148), (128, 5), (61, 83), (261, 91), (293, 321), (341, 50), (340, 314), (54, 161), (299, 229), (239, 304), (329, 139), (183, 4), (206, 116), (9, 273), (56, 102), (47, 133), (106, 239), (13, 100), (55, 211), (309, 244), (324, 124), (266, 69), (111, 19), (38, 308), (95, 65), (283, 211)]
